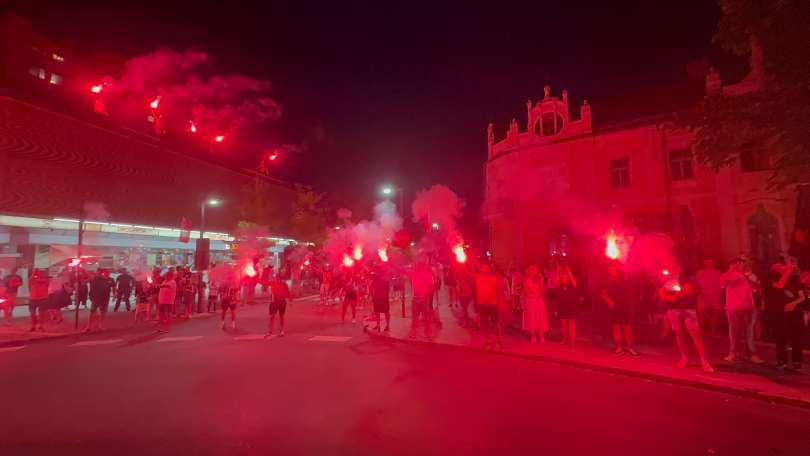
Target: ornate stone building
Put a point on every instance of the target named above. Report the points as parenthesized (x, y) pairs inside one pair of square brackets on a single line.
[(560, 163)]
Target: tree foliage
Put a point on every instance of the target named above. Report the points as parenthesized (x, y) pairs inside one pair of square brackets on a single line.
[(775, 119)]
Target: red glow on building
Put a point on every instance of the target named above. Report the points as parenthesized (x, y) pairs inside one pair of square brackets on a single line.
[(347, 261), (458, 251), (357, 253), (219, 138)]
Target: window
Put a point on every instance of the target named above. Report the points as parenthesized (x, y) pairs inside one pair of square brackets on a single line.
[(620, 173), (751, 161), (37, 72), (56, 79), (680, 164), (549, 124)]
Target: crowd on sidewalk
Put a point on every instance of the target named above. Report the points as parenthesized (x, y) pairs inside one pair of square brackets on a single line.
[(774, 306), (159, 295)]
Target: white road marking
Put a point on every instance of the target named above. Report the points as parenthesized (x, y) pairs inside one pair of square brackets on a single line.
[(88, 343), (11, 349), (252, 337), (329, 338), (180, 338), (713, 379)]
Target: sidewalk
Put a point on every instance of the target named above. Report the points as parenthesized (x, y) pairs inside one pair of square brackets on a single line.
[(594, 351)]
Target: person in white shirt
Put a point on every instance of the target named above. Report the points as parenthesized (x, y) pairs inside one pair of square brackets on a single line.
[(166, 294), (739, 284)]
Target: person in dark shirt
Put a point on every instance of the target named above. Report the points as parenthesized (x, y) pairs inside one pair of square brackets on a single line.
[(682, 303), (380, 292), (617, 296), (784, 297), (101, 286), (11, 284), (123, 289)]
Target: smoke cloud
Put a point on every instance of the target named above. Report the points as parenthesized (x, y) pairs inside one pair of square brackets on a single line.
[(438, 204), (369, 235), (216, 104)]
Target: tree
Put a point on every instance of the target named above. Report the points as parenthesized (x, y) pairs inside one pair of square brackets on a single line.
[(309, 218), (774, 118), (263, 206)]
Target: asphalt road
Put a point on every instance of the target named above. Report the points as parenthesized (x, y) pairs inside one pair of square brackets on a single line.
[(214, 394)]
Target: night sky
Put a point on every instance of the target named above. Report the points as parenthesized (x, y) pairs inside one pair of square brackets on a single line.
[(404, 93)]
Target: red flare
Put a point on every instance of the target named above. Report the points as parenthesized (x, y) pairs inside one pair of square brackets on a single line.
[(612, 246), (273, 156), (306, 262), (97, 88), (155, 103), (357, 253), (75, 262), (458, 251), (192, 127), (249, 270), (219, 138), (347, 261), (149, 279), (383, 254)]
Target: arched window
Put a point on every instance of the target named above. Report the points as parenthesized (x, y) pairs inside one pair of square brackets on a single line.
[(549, 124)]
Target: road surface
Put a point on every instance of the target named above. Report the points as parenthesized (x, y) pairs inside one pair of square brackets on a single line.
[(326, 388)]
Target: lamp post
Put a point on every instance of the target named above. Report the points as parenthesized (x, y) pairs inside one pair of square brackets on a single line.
[(389, 190), (203, 265)]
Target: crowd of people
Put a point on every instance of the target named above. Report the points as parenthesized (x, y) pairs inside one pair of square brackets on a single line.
[(774, 306)]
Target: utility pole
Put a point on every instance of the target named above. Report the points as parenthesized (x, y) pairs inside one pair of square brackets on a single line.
[(79, 264)]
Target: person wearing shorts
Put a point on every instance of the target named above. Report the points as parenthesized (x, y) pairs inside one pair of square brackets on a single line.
[(101, 286), (280, 293), (422, 286), (381, 296), (167, 293), (486, 299), (682, 315), (617, 296), (229, 298), (38, 284)]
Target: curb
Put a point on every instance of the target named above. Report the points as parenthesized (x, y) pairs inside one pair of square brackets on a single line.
[(742, 392)]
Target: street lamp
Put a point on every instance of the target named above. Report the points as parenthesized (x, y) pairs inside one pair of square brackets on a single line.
[(389, 190), (213, 202)]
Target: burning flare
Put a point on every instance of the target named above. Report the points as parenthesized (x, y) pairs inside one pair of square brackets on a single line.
[(149, 279), (458, 251), (383, 254), (249, 270), (155, 103), (612, 246), (219, 138), (192, 127), (357, 253), (347, 261), (97, 88), (75, 262)]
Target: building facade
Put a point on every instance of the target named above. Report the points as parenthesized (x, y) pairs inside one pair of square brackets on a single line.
[(556, 170), (59, 154)]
